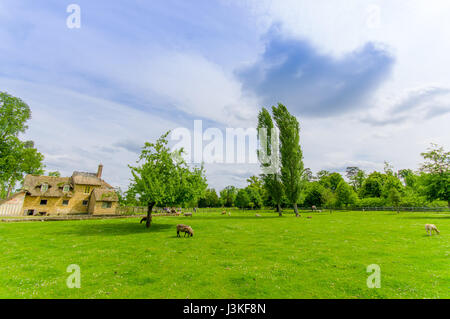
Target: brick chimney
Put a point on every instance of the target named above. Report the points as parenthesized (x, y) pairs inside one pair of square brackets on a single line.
[(99, 171)]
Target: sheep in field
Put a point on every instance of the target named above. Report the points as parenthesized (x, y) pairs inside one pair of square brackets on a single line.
[(257, 215), (430, 228), (224, 212), (313, 207), (188, 214), (187, 230)]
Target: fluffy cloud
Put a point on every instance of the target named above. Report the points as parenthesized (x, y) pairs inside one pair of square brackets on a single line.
[(294, 73)]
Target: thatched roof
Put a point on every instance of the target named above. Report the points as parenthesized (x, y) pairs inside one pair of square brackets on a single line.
[(105, 195), (82, 178), (32, 185)]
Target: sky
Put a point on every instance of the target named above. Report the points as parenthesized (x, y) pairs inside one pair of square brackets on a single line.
[(368, 81)]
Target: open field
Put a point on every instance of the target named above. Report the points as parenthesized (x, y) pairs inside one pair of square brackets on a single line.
[(237, 256)]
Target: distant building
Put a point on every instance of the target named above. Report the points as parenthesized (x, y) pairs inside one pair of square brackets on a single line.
[(49, 195)]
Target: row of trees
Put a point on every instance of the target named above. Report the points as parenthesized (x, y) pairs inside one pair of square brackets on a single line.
[(429, 186)]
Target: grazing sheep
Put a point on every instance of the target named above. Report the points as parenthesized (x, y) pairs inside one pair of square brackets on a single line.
[(308, 217), (188, 214), (430, 228), (187, 230), (257, 215), (313, 207), (229, 214), (224, 212)]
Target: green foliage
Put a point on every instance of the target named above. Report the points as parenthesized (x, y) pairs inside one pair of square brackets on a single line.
[(331, 181), (163, 178), (291, 153), (56, 174), (17, 157), (242, 199), (391, 182), (394, 197), (314, 195), (356, 177), (371, 202), (345, 195), (271, 180), (209, 199), (228, 196), (372, 186), (436, 173)]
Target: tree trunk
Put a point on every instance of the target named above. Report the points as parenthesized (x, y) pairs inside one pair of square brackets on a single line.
[(10, 187), (149, 215), (279, 210), (296, 210)]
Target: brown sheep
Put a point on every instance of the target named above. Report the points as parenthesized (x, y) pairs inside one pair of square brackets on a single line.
[(224, 213), (188, 214), (187, 230)]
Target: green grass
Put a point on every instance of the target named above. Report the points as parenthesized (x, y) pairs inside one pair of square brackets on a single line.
[(238, 256)]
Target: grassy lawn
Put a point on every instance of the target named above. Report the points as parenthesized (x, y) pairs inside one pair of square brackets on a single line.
[(237, 256)]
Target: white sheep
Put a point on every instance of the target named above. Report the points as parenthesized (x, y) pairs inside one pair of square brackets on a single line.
[(430, 228)]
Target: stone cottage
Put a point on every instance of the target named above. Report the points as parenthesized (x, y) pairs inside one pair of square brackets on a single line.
[(82, 193)]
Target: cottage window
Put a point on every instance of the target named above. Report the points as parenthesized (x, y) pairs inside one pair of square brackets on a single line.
[(43, 202), (44, 188), (106, 205), (65, 202), (66, 188), (85, 202), (87, 189)]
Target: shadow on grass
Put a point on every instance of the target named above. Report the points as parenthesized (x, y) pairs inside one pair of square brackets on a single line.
[(117, 228)]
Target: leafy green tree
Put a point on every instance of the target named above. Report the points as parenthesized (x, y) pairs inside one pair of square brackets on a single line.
[(345, 195), (391, 182), (331, 181), (408, 177), (209, 199), (322, 174), (17, 157), (315, 195), (291, 153), (373, 185), (228, 196), (164, 179), (14, 113), (254, 196), (436, 173), (356, 177), (271, 175), (395, 198), (242, 199)]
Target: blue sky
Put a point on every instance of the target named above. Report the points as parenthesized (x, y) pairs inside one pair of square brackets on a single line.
[(368, 81)]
